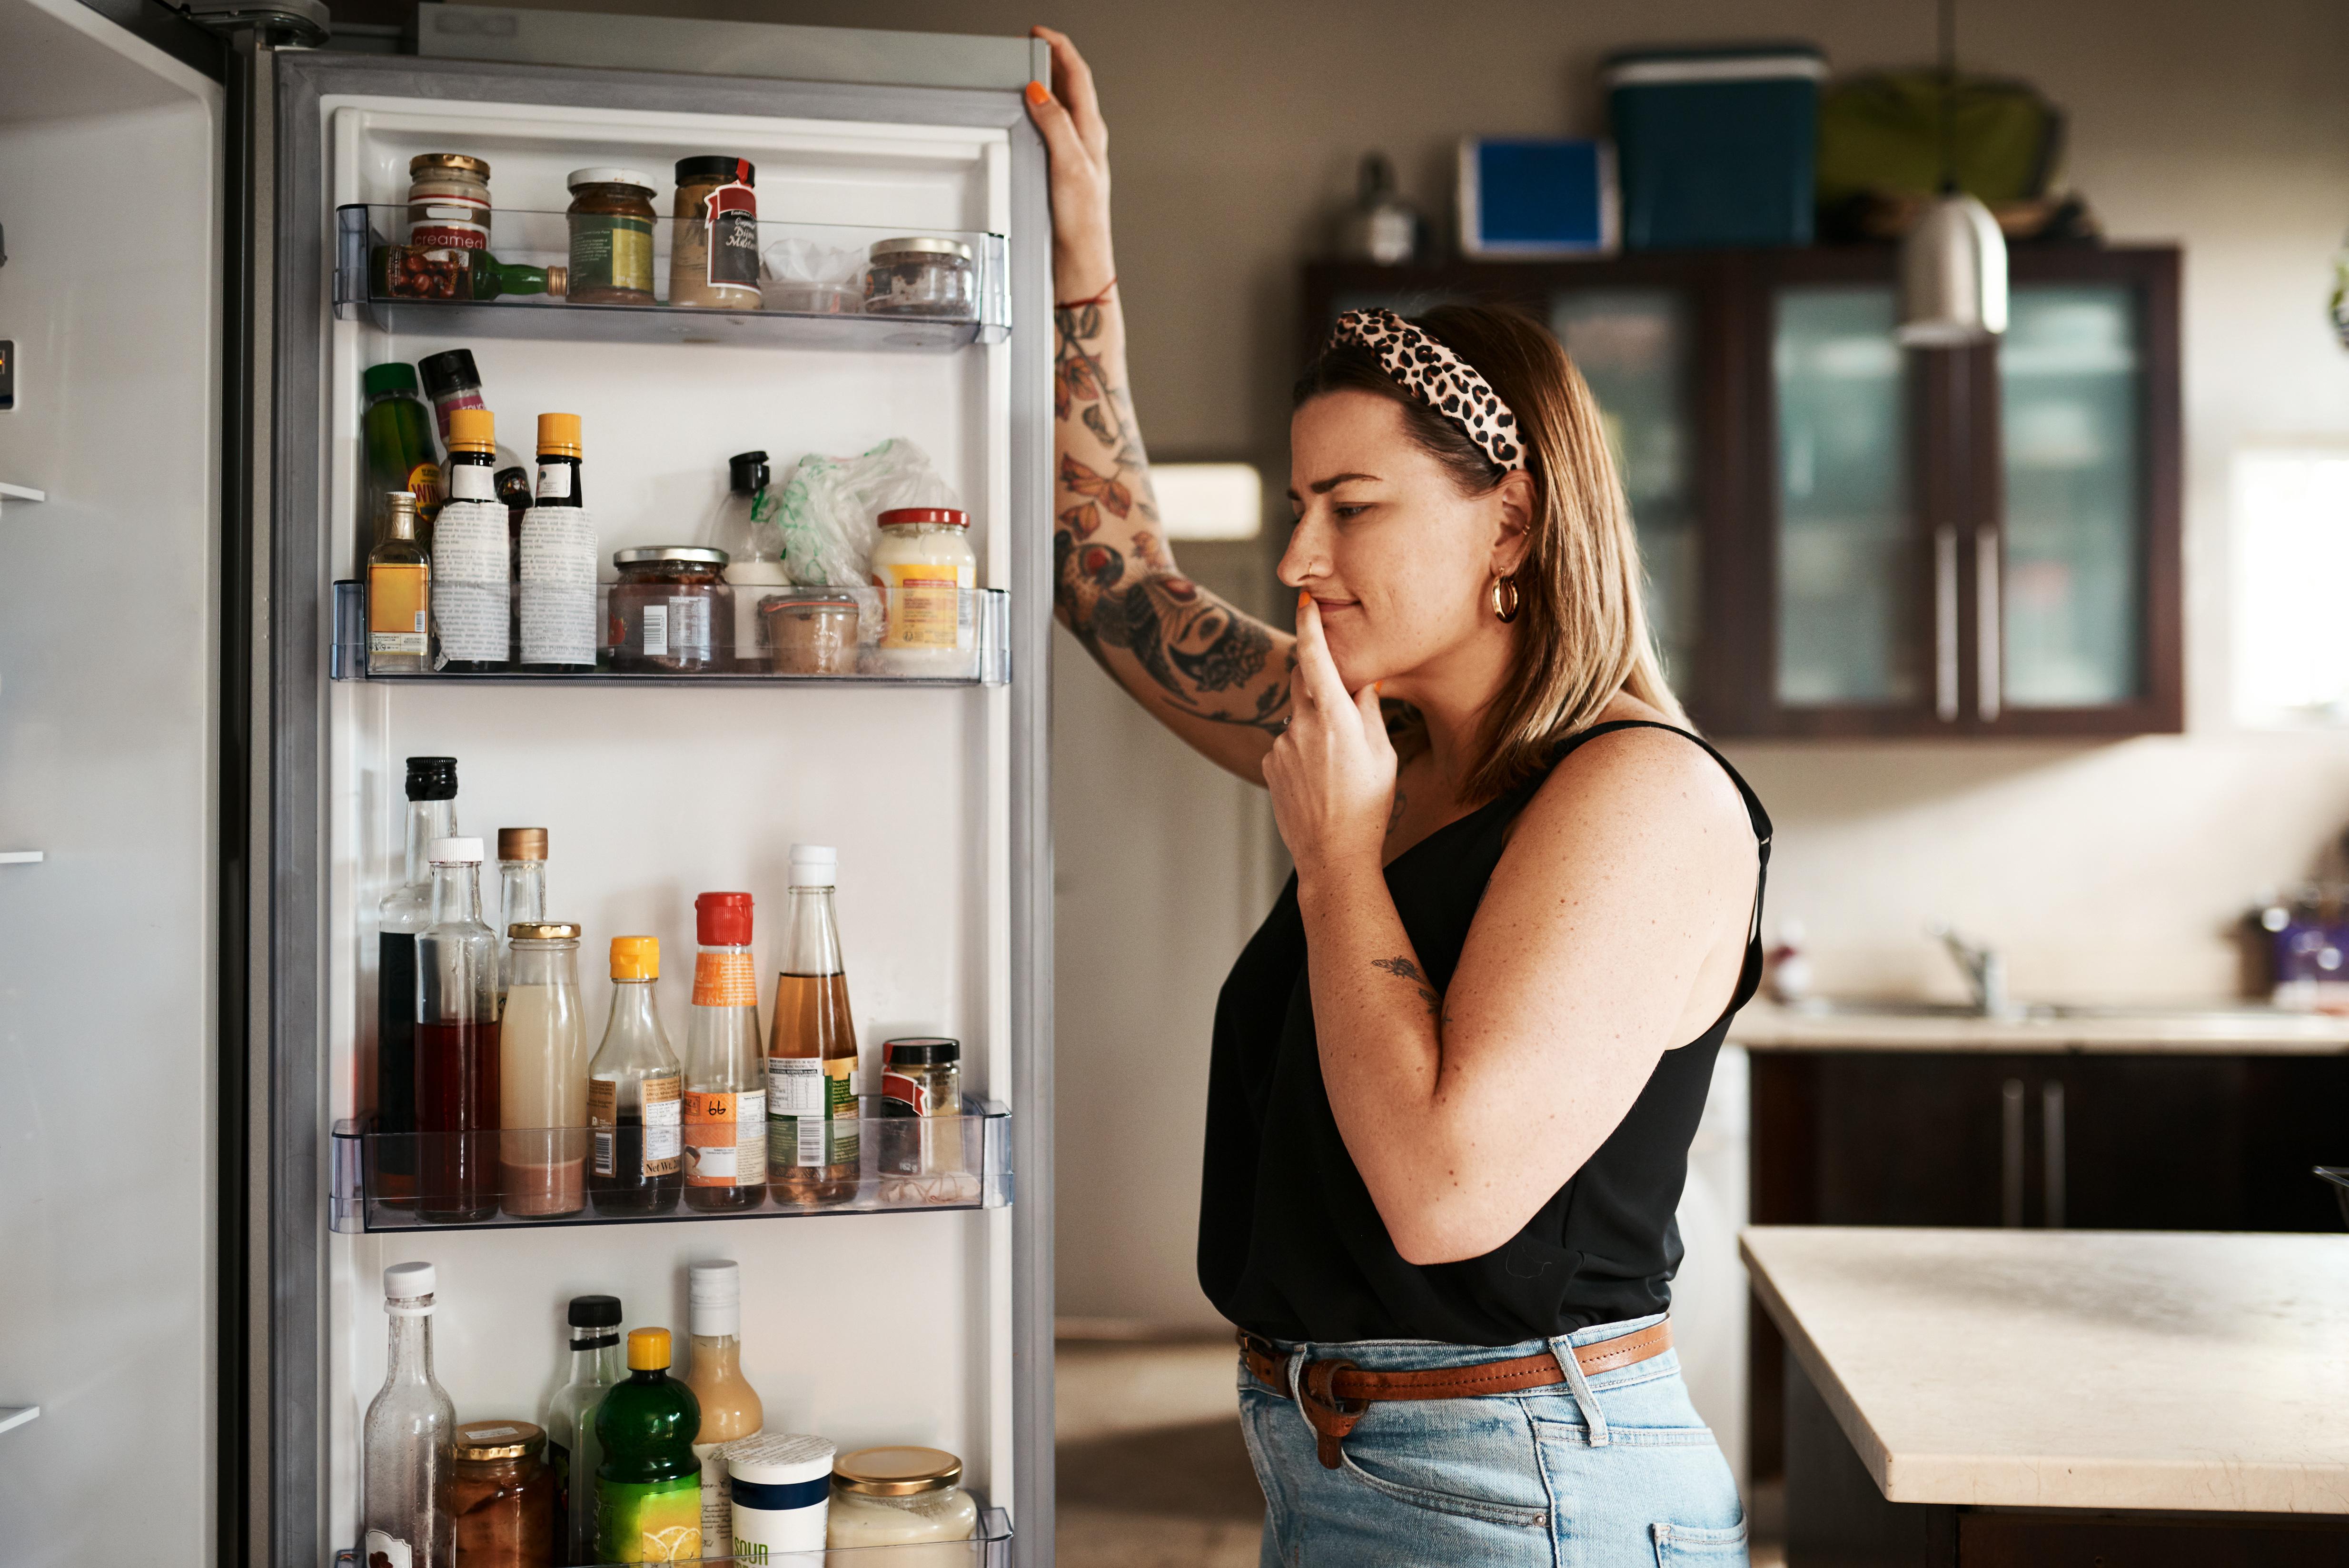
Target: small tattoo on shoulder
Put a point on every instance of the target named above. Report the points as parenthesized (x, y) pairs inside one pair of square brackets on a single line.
[(1395, 816), (1403, 968)]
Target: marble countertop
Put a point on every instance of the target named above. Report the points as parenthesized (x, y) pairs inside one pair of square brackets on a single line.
[(2246, 1030), (2076, 1369)]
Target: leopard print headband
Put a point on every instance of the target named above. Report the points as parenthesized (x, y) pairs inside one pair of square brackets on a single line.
[(1438, 378)]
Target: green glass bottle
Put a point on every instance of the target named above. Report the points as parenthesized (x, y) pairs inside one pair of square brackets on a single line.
[(649, 1487), (493, 277)]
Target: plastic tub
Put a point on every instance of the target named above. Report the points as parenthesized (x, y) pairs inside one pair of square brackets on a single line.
[(1715, 147)]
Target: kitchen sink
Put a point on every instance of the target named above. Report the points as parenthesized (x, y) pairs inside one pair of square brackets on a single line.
[(2213, 1012)]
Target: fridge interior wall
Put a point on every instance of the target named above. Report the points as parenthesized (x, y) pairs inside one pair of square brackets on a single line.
[(879, 1328)]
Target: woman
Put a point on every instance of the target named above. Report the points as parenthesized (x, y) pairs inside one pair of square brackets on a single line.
[(1455, 1073)]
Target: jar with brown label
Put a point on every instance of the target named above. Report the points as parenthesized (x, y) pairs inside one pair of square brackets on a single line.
[(713, 260), (922, 274), (670, 611), (612, 221), (809, 631), (503, 1496), (448, 203)]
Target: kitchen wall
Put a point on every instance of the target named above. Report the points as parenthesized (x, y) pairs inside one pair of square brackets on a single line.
[(2104, 870)]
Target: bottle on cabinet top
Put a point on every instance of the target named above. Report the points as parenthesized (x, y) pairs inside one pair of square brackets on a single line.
[(556, 557), (634, 1107)]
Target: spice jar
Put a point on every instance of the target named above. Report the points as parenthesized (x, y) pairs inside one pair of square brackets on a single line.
[(809, 631), (713, 259), (612, 219), (668, 610), (503, 1496), (897, 1497), (923, 563), (448, 203), (921, 276), (921, 1078)]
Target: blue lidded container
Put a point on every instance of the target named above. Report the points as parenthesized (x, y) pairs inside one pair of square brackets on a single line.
[(1715, 147)]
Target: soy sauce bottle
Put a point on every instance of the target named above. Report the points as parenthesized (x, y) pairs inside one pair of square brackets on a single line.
[(635, 1107)]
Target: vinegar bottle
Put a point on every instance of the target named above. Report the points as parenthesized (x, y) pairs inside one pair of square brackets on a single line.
[(634, 1107), (813, 1143), (725, 1063), (407, 1469), (571, 1446), (457, 1049), (521, 890), (729, 1406), (406, 911)]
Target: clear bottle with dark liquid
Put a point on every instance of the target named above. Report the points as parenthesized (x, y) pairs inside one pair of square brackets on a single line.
[(457, 1048), (635, 1109), (813, 1144), (405, 912)]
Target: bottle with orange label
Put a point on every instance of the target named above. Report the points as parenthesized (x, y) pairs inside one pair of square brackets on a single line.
[(725, 1063), (400, 596)]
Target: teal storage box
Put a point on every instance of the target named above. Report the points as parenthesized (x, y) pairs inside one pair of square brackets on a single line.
[(1715, 147)]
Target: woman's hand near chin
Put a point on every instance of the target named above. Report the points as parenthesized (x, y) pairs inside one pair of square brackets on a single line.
[(1332, 771)]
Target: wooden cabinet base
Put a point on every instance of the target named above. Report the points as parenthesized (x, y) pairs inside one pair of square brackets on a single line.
[(1837, 1518)]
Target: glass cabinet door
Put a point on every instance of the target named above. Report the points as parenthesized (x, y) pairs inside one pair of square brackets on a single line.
[(2070, 393), (1634, 347), (1848, 568)]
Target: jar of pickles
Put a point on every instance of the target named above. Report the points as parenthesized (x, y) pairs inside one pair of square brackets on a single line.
[(668, 610), (503, 1496), (612, 219), (922, 274)]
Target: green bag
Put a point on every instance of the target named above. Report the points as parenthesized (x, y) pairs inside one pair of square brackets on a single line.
[(1882, 135)]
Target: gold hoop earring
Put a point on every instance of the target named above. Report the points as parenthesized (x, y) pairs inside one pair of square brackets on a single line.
[(1505, 598)]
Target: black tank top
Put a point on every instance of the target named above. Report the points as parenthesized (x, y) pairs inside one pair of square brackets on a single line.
[(1290, 1244)]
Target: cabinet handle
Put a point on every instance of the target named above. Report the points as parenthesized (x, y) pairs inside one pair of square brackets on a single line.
[(1945, 623), (2051, 1149), (1987, 629), (2010, 1198)]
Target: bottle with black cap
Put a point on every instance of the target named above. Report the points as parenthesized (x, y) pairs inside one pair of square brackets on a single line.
[(751, 532), (572, 1450), (403, 915)]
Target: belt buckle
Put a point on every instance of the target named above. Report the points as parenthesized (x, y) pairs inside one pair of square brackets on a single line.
[(1330, 1416)]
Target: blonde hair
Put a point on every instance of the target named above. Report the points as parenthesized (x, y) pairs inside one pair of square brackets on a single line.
[(1582, 623)]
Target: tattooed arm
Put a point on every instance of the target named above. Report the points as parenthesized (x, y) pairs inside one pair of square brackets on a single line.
[(1217, 678)]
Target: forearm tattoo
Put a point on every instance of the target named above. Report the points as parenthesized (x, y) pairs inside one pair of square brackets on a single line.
[(1403, 968), (1114, 585)]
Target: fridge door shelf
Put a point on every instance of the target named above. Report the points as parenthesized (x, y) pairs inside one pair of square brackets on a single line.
[(814, 281), (980, 654), (989, 1548), (904, 1164)]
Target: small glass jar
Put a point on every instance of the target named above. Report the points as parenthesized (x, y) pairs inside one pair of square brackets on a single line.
[(921, 1080), (924, 568), (713, 258), (612, 221), (922, 274), (897, 1497), (668, 610), (447, 205), (503, 1496), (809, 631)]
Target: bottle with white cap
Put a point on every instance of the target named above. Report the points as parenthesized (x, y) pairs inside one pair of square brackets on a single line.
[(730, 1410), (407, 1469), (457, 1049), (812, 1147)]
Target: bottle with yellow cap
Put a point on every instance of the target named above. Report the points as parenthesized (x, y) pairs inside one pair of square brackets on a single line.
[(635, 1107), (472, 557), (558, 558), (648, 1486)]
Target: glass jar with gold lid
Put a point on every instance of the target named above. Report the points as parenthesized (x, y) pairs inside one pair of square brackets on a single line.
[(897, 1497), (503, 1495)]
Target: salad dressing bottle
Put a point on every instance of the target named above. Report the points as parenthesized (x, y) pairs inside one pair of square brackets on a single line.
[(730, 1409)]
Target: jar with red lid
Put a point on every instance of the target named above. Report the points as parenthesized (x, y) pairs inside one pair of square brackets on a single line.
[(926, 571)]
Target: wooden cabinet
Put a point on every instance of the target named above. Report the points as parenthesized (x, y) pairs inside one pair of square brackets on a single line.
[(1844, 538), (2150, 1142)]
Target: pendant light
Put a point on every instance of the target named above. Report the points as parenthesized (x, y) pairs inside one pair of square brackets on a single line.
[(1953, 263)]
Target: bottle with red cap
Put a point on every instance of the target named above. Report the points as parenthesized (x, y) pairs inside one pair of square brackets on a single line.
[(725, 1063)]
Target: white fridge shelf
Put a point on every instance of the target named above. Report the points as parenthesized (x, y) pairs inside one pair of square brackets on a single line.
[(989, 1548)]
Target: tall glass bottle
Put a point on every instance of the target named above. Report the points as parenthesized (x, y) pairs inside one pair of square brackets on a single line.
[(813, 1144), (472, 565), (399, 595), (457, 1048), (542, 1074), (406, 911), (731, 1407), (634, 1095), (522, 889), (557, 557), (571, 1447), (648, 1488), (400, 453), (407, 1465), (725, 1063)]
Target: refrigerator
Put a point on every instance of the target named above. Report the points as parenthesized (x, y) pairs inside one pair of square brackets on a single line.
[(202, 784)]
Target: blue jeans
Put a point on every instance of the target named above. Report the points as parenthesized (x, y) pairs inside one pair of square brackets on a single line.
[(1608, 1471)]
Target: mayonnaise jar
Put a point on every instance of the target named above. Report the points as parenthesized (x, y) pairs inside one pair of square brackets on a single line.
[(926, 568)]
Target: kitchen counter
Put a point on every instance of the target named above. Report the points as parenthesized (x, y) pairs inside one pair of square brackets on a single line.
[(2249, 1030), (2184, 1373)]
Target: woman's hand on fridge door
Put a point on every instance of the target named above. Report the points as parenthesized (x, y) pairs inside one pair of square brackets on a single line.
[(1068, 116)]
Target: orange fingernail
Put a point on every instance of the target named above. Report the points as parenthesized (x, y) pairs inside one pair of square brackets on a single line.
[(1303, 599), (1039, 94)]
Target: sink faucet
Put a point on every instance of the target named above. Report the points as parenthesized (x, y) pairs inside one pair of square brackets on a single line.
[(1985, 969)]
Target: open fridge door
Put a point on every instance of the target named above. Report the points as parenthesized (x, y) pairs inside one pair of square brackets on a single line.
[(882, 1311)]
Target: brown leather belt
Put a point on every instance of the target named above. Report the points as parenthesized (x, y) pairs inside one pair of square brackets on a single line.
[(1337, 1393)]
